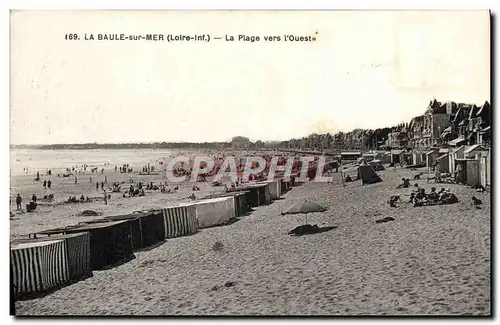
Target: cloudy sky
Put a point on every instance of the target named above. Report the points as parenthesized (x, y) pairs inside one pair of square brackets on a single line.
[(365, 70)]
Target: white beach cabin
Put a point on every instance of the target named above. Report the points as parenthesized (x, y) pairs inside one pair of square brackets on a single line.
[(213, 212)]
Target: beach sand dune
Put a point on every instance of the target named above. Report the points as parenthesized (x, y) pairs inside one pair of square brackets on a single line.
[(428, 261)]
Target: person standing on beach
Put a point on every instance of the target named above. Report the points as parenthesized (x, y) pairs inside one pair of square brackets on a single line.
[(90, 179), (76, 180), (437, 174), (45, 184), (459, 174), (115, 168), (49, 184), (97, 186), (33, 198), (19, 200), (102, 185)]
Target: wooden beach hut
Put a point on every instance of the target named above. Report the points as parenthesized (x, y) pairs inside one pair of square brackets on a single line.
[(476, 151), (443, 160), (370, 156), (38, 267), (471, 168), (77, 248), (397, 156), (386, 157), (110, 242), (350, 155), (213, 212), (485, 169), (443, 163), (180, 221), (455, 153), (431, 157)]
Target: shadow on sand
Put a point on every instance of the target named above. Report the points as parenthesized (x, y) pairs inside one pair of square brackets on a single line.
[(120, 262), (148, 248), (38, 295)]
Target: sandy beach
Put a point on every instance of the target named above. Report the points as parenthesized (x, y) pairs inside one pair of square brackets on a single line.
[(431, 260), (141, 140)]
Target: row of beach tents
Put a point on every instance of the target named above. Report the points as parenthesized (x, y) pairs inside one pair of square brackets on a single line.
[(55, 258)]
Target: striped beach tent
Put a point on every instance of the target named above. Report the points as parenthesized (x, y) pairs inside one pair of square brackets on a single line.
[(153, 227), (148, 227), (38, 267), (240, 201), (180, 221), (274, 188), (12, 292), (110, 242), (281, 186), (213, 212), (134, 222), (256, 194), (77, 253), (251, 194), (284, 182)]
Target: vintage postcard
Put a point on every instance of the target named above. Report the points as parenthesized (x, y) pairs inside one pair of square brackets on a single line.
[(250, 163)]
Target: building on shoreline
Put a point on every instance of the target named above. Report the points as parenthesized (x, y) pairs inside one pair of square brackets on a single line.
[(398, 138), (470, 124), (443, 125)]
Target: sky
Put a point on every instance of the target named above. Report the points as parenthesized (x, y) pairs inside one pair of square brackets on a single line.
[(366, 69)]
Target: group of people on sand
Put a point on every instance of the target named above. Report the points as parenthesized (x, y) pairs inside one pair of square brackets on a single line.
[(81, 200), (33, 203), (101, 184), (29, 207), (47, 184), (48, 172), (148, 169), (124, 169), (420, 198)]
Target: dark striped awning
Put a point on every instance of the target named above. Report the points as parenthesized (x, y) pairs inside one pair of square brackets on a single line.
[(38, 266), (77, 253)]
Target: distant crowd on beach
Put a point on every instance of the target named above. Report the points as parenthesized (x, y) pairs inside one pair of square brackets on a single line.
[(183, 169), (77, 171)]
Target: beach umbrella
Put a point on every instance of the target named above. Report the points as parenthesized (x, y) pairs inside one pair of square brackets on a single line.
[(304, 207)]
